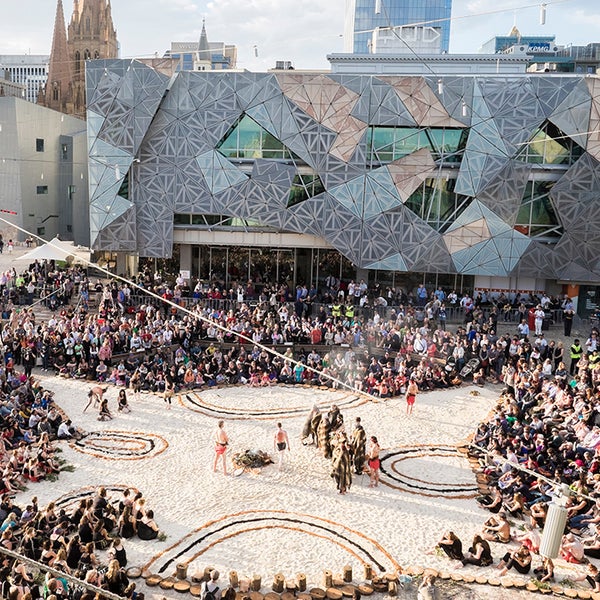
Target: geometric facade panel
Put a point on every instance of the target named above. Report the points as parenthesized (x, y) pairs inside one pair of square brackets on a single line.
[(476, 175)]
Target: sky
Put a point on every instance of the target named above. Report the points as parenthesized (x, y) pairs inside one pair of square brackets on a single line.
[(302, 31)]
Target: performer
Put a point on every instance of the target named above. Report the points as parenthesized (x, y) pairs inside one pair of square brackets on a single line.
[(221, 443), (341, 469), (411, 395), (323, 435), (281, 443), (374, 462), (358, 446), (310, 426)]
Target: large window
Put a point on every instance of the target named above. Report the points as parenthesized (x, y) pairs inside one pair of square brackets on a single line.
[(436, 202), (39, 145), (304, 187), (386, 144), (550, 146), (537, 217), (247, 139), (42, 189)]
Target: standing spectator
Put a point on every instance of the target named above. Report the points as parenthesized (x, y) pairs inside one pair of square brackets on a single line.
[(568, 314), (281, 443)]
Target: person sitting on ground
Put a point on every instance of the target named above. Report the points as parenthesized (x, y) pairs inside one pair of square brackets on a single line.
[(520, 559), (545, 572), (572, 549), (147, 529), (479, 554), (104, 413), (497, 529), (531, 538), (451, 545), (123, 404)]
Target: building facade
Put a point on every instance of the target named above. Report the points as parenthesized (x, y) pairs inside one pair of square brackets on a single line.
[(43, 172), (493, 176), (361, 20), (30, 70)]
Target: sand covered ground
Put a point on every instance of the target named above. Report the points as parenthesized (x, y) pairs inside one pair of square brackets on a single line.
[(265, 521)]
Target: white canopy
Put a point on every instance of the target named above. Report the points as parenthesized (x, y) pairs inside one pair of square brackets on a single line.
[(57, 249)]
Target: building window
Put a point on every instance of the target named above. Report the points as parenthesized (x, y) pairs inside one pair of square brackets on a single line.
[(386, 144), (39, 145), (247, 139), (41, 231), (436, 202), (70, 228), (65, 151), (304, 187), (42, 189), (71, 191), (77, 62), (537, 217), (550, 146)]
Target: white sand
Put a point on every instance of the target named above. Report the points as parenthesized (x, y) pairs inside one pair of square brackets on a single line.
[(268, 522)]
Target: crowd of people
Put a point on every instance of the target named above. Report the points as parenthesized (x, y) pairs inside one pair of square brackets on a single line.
[(544, 435), (546, 422), (85, 542)]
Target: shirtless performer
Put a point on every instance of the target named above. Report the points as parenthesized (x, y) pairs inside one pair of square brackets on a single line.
[(221, 442), (280, 443), (95, 396)]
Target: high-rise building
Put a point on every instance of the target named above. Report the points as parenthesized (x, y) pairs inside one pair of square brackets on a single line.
[(91, 35), (30, 70), (364, 16)]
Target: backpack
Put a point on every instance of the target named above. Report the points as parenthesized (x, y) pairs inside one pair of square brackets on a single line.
[(209, 594)]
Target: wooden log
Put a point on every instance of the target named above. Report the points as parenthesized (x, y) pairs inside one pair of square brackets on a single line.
[(198, 577), (481, 579), (327, 579), (365, 590), (167, 583), (254, 595), (288, 596), (301, 582), (153, 580), (182, 586), (333, 593), (317, 593), (392, 588), (278, 582), (291, 586), (347, 574), (256, 583), (338, 582), (181, 571), (271, 596), (196, 590), (368, 571), (570, 593), (134, 572), (584, 594), (303, 596), (348, 590), (233, 579)]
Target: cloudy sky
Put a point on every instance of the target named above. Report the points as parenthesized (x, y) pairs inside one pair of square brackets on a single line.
[(302, 31)]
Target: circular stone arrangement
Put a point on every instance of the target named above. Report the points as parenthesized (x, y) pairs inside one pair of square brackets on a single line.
[(121, 445), (70, 501), (226, 529), (403, 469), (244, 402)]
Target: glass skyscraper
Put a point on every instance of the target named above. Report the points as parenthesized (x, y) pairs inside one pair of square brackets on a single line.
[(361, 19)]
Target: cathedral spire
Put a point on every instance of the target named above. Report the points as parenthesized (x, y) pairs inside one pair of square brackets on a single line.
[(58, 91), (203, 47)]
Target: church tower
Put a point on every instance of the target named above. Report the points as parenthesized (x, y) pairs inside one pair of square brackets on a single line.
[(58, 92), (91, 34)]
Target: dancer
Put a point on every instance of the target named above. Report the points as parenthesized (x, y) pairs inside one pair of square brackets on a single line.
[(311, 426), (280, 443), (95, 396), (341, 469), (104, 413), (358, 446), (374, 462), (221, 443), (411, 395), (169, 392)]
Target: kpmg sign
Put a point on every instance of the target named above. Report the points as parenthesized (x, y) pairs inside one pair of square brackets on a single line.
[(539, 47)]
